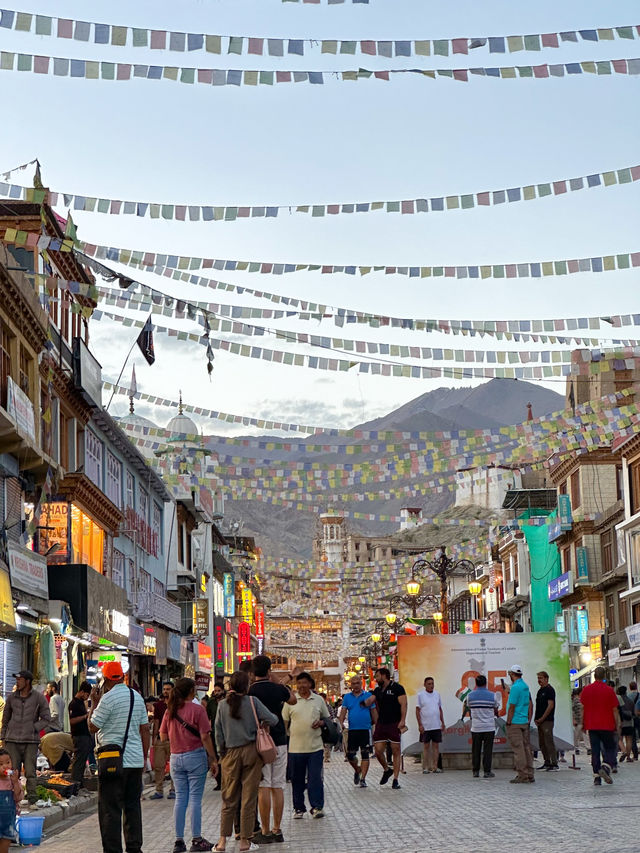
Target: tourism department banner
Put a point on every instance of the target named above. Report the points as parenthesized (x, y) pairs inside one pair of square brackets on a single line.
[(454, 660)]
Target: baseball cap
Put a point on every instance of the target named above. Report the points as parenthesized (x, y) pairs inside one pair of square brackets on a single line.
[(24, 673), (516, 668), (112, 670)]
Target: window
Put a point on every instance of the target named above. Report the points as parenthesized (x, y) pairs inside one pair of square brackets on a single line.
[(130, 487), (145, 581), (610, 610), (623, 614), (143, 504), (156, 525), (608, 550), (181, 532), (114, 480), (117, 568), (64, 440), (566, 559), (619, 484), (24, 378), (93, 451), (635, 613), (87, 539), (574, 485), (46, 418), (562, 488), (634, 484), (24, 258), (5, 363), (131, 578), (158, 587)]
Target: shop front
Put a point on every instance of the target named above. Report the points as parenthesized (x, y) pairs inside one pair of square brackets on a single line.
[(70, 534)]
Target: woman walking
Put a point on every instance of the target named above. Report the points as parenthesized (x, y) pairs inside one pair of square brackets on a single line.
[(236, 731), (187, 728)]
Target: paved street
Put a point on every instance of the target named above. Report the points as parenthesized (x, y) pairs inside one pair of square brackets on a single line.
[(445, 813)]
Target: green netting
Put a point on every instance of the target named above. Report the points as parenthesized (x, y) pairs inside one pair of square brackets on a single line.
[(545, 566)]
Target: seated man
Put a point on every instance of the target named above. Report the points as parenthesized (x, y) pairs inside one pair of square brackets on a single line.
[(57, 748)]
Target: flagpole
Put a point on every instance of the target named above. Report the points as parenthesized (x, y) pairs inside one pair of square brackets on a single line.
[(121, 372)]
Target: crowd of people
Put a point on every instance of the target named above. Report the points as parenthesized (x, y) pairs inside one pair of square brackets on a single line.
[(258, 734)]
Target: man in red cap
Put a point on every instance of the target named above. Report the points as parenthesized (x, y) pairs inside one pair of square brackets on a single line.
[(121, 711)]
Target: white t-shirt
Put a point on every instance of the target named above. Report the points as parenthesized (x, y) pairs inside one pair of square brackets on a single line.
[(429, 705)]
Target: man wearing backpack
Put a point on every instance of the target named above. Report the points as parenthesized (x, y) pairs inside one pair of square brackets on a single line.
[(626, 723)]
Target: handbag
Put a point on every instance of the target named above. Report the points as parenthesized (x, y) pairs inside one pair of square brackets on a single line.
[(330, 733), (109, 757), (264, 742)]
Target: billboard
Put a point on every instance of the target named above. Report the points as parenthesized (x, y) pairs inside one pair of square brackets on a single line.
[(454, 660)]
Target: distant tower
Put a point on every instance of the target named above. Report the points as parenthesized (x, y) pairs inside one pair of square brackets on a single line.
[(529, 412), (332, 538)]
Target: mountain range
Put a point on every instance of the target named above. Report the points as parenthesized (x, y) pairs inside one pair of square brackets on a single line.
[(282, 531)]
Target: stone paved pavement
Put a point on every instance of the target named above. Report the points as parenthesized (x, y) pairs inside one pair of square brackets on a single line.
[(447, 813)]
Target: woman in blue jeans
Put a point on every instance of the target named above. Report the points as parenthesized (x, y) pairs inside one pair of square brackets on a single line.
[(187, 728)]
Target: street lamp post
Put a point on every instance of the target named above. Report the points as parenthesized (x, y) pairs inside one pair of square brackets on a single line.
[(413, 599), (443, 566)]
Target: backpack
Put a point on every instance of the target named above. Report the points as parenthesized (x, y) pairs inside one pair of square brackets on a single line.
[(626, 712)]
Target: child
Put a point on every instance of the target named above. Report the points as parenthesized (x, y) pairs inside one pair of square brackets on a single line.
[(10, 796)]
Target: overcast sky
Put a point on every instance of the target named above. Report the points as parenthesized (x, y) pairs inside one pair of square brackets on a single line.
[(341, 142)]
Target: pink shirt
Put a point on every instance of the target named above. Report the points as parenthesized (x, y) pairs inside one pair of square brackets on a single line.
[(180, 738)]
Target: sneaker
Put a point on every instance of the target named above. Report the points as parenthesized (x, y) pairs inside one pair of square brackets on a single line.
[(277, 836), (476, 774), (489, 775), (605, 773), (543, 767), (156, 796), (553, 767), (260, 838), (622, 758), (597, 780), (298, 815), (388, 773), (200, 843), (395, 785), (171, 795), (438, 770), (356, 777), (363, 784), (179, 846), (426, 772), (317, 813), (518, 780)]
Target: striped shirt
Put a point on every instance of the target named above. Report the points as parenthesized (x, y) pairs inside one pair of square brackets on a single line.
[(483, 705), (111, 718)]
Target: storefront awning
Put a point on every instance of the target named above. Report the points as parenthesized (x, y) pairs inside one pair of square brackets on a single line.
[(626, 661)]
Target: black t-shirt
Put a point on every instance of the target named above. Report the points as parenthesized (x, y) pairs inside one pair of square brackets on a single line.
[(387, 701), (76, 709), (273, 696), (542, 699)]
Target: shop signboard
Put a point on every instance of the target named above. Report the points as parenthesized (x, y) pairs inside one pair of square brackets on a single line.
[(7, 613), (564, 512), (203, 681), (259, 621), (28, 571), (247, 605), (119, 623), (201, 617), (218, 646), (204, 658), (162, 641), (454, 660), (87, 373), (244, 639), (582, 625), (560, 586), (582, 564), (229, 595), (633, 635), (173, 647), (184, 650), (150, 640), (20, 407), (136, 637), (595, 647)]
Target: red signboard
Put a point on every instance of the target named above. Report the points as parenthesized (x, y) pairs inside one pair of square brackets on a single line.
[(204, 658), (259, 621), (218, 646), (244, 638)]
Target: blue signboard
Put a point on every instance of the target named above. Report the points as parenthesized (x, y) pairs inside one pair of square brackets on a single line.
[(582, 624), (564, 512), (229, 595), (560, 586), (582, 562)]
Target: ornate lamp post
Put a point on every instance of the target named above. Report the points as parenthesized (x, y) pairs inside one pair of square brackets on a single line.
[(413, 599), (442, 567), (475, 588)]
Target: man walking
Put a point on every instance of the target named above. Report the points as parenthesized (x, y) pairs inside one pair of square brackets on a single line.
[(361, 720), (26, 712), (430, 725), (82, 740), (391, 702), (633, 696), (273, 696), (519, 713), (483, 705), (56, 707), (161, 750), (602, 721), (544, 717), (119, 705), (305, 719)]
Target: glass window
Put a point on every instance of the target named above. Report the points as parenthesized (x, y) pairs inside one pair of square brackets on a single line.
[(25, 371), (575, 490), (117, 569), (158, 587), (87, 539), (130, 492), (93, 454), (156, 524), (5, 363), (143, 503), (114, 480)]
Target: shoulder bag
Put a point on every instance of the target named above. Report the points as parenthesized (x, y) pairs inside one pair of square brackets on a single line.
[(110, 756), (264, 742), (185, 725)]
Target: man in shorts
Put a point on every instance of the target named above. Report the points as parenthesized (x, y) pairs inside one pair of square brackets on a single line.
[(359, 732), (391, 702), (274, 695), (430, 725)]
